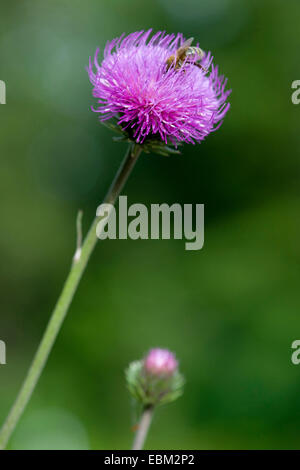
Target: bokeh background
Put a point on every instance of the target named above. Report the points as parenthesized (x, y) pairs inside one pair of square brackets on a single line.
[(229, 311)]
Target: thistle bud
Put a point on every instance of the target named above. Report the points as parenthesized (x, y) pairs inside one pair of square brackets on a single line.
[(155, 380), (160, 362)]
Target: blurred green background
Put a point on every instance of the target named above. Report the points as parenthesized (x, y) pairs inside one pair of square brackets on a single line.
[(229, 311)]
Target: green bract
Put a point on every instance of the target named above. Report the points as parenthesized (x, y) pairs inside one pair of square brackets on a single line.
[(153, 390)]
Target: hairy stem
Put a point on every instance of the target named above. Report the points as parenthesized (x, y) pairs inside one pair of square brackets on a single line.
[(143, 428), (59, 313)]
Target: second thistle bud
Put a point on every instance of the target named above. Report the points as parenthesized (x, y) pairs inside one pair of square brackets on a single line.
[(155, 379)]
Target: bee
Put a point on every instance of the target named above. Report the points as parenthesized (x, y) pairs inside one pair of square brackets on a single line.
[(186, 54)]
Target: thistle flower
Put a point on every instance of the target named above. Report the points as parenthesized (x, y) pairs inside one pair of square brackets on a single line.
[(155, 379), (152, 104)]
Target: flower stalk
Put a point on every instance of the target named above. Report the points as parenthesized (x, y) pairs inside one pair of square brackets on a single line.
[(80, 261), (143, 428)]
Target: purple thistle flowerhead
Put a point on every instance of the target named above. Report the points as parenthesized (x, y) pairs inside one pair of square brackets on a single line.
[(151, 101), (160, 362)]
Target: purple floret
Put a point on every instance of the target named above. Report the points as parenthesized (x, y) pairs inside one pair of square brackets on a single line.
[(160, 362), (134, 85)]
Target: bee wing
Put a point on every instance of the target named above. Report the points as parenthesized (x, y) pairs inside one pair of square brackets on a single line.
[(184, 46), (187, 43)]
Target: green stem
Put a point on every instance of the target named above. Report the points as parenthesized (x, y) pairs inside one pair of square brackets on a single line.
[(59, 313), (143, 428)]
